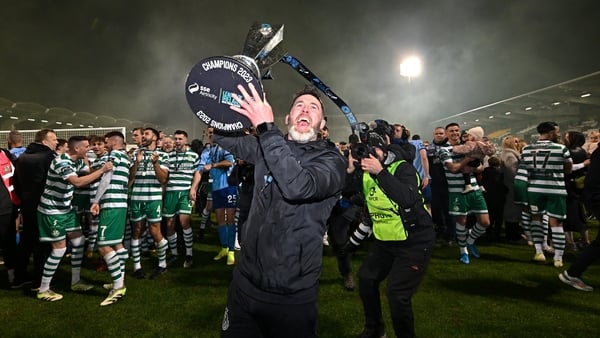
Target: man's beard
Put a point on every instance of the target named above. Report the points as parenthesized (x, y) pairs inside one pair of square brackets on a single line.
[(302, 137)]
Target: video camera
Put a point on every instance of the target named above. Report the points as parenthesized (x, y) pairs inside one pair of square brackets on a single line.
[(371, 135)]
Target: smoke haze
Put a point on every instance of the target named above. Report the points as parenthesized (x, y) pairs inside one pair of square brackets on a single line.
[(129, 59)]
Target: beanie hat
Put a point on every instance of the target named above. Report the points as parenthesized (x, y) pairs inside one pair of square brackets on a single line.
[(375, 140), (477, 132)]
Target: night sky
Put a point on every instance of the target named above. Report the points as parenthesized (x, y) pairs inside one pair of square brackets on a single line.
[(130, 58)]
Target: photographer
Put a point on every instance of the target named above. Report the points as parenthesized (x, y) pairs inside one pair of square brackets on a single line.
[(403, 230)]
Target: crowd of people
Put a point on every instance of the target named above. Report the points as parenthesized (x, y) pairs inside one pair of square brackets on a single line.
[(279, 196)]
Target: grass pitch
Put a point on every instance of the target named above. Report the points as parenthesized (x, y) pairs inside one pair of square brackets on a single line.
[(502, 294)]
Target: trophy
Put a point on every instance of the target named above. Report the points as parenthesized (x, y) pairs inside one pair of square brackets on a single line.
[(212, 83)]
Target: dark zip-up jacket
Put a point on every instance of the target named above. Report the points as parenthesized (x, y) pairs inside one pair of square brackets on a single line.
[(31, 170), (296, 186), (592, 180)]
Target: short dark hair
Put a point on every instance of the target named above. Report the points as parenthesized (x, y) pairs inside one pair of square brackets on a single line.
[(180, 132), (95, 138), (546, 127), (494, 161), (41, 135), (73, 140), (309, 90), (452, 124), (115, 133), (154, 131), (14, 138)]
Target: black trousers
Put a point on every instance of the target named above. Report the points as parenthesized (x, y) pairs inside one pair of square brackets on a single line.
[(30, 244), (589, 255), (8, 242), (439, 212), (403, 264), (246, 317), (339, 222)]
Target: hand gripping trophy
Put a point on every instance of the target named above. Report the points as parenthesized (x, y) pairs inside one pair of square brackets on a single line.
[(213, 81)]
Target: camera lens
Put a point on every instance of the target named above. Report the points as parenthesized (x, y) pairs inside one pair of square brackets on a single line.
[(361, 150)]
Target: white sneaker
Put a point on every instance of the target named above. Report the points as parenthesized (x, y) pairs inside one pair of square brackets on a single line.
[(325, 240), (575, 282)]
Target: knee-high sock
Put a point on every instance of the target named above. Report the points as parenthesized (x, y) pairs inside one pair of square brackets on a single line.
[(204, 218), (558, 242), (545, 220), (231, 237), (537, 233), (461, 237), (127, 236), (475, 233), (114, 268), (76, 258), (222, 229), (188, 239), (123, 257), (161, 252), (50, 267), (526, 224), (93, 234), (173, 243), (135, 254)]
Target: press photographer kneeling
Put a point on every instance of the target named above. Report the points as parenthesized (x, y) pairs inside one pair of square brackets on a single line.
[(403, 229)]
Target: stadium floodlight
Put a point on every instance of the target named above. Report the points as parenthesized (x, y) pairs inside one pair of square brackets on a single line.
[(411, 67)]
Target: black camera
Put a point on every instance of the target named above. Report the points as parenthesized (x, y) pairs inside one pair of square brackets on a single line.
[(369, 138)]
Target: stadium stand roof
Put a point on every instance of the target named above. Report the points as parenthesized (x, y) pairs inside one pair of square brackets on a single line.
[(30, 115), (573, 104)]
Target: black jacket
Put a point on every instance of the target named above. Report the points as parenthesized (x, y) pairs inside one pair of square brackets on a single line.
[(31, 170), (402, 187), (296, 186), (592, 181)]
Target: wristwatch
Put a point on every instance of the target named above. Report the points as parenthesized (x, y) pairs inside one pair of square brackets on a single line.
[(264, 127)]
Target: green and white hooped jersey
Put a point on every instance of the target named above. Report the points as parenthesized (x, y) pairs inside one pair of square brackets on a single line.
[(115, 195), (146, 186), (456, 183), (58, 192), (521, 172), (545, 163), (182, 166), (85, 190), (97, 164)]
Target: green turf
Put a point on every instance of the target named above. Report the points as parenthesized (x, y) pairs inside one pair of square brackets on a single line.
[(502, 294)]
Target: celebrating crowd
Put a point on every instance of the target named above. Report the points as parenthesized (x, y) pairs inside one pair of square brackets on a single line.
[(278, 194)]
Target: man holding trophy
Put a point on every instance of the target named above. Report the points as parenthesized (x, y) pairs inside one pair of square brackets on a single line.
[(297, 182), (298, 179)]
